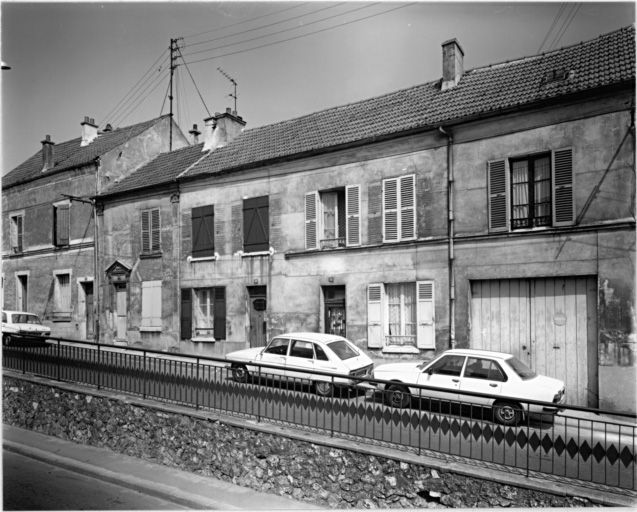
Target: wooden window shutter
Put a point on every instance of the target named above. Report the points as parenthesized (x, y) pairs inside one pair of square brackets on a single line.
[(203, 231), (185, 317), (256, 224), (19, 230), (151, 304), (353, 210), (311, 220), (62, 221), (426, 330), (498, 196), (220, 313), (390, 210), (375, 296), (155, 230), (563, 203), (146, 231), (408, 207)]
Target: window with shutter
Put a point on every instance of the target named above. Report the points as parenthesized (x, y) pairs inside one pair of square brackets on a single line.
[(375, 334), (426, 331), (311, 220), (563, 204), (16, 233), (497, 184), (185, 323), (203, 231), (256, 224), (353, 208), (151, 306), (151, 229), (63, 306), (399, 208), (61, 214)]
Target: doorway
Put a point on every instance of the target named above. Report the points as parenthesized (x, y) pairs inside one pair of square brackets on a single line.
[(89, 312), (121, 311), (257, 308), (21, 293), (334, 300)]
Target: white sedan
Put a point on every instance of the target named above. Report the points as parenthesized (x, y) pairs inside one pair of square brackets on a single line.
[(508, 380), (18, 325), (294, 354)]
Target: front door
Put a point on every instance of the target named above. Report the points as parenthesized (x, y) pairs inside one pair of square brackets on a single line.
[(257, 306), (21, 295), (334, 297), (121, 312)]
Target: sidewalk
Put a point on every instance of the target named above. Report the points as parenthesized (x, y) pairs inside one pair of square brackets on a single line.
[(178, 486)]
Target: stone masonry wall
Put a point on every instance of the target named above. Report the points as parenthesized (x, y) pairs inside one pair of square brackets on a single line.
[(304, 471)]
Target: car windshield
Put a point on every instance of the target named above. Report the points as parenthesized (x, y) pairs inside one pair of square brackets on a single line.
[(523, 371), (343, 349), (26, 319)]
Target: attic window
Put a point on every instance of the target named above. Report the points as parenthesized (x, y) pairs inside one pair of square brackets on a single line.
[(556, 75)]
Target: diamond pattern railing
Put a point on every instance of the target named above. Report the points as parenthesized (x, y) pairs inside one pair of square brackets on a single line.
[(579, 444)]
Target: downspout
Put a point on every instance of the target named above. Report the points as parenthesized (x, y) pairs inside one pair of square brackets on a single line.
[(450, 238)]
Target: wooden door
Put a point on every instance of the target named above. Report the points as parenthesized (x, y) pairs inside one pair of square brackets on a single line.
[(89, 312), (121, 312), (257, 308)]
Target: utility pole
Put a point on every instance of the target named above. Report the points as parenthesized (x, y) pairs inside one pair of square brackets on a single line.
[(174, 48)]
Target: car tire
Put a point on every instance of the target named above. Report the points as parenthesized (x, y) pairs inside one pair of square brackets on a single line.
[(397, 395), (323, 388), (507, 413), (240, 373)]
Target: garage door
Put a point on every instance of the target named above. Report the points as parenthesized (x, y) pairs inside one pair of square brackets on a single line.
[(549, 323)]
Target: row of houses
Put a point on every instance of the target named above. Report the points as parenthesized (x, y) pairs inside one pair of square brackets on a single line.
[(493, 208)]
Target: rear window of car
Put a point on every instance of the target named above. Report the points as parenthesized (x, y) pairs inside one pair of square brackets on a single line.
[(343, 349), (23, 318), (522, 370)]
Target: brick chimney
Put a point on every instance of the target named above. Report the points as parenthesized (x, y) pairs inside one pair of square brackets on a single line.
[(221, 129), (47, 153), (195, 135), (452, 64), (89, 131)]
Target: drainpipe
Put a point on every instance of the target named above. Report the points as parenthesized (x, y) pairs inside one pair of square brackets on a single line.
[(450, 238)]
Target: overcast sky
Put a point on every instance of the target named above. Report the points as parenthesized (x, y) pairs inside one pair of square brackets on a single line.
[(107, 60)]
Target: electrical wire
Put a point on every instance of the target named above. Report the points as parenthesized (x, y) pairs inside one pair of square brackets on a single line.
[(114, 110), (144, 92), (193, 82), (565, 26), (280, 31), (137, 106), (555, 18), (161, 111), (302, 35), (246, 21), (266, 26)]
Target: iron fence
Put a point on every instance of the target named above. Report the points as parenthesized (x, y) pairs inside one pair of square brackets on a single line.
[(587, 445)]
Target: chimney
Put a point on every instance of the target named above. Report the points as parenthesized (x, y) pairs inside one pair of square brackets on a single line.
[(47, 153), (452, 63), (108, 128), (195, 134), (221, 129), (89, 131)]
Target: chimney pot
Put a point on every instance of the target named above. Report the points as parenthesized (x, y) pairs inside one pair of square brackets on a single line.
[(195, 134), (47, 153), (452, 63), (221, 129), (89, 131)]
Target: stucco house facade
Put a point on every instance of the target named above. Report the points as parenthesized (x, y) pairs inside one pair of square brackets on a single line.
[(493, 208), (48, 254)]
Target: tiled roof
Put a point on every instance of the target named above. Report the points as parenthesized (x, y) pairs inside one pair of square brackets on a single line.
[(69, 154), (163, 169), (605, 61)]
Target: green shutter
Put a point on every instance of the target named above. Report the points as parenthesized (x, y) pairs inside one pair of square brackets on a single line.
[(203, 231)]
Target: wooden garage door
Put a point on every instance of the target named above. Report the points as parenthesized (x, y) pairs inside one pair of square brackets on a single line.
[(550, 324)]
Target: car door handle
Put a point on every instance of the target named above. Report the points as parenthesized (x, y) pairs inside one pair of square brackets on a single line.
[(493, 385), (455, 380)]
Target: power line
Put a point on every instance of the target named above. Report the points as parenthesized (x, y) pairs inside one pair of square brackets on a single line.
[(247, 21), (143, 92), (565, 25), (302, 35), (280, 31), (137, 106), (193, 82), (555, 18), (264, 26), (113, 111)]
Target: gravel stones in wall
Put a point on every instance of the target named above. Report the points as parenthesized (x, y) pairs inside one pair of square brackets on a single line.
[(329, 477)]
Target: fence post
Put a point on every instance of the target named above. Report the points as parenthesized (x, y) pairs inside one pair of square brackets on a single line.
[(144, 374), (332, 408), (58, 358), (197, 386), (99, 366)]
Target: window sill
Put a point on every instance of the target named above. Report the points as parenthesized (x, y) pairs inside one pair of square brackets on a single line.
[(193, 259), (61, 317), (400, 350), (150, 255), (150, 329), (256, 253), (203, 339)]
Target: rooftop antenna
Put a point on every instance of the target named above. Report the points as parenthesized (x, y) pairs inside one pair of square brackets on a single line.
[(234, 83)]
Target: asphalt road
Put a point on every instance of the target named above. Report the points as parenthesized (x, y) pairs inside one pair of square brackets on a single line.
[(30, 484)]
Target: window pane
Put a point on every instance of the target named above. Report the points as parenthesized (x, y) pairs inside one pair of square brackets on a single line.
[(448, 365), (302, 349), (329, 215), (320, 353), (278, 346), (343, 349), (203, 312)]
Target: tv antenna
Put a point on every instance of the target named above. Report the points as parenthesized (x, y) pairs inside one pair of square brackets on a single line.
[(234, 83)]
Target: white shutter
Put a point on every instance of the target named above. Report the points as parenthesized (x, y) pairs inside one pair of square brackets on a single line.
[(155, 231), (390, 210), (151, 305), (408, 207), (311, 220), (146, 231), (563, 204), (426, 331), (353, 215), (498, 195), (375, 295)]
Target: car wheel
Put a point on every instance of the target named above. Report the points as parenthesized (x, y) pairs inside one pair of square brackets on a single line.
[(397, 396), (240, 373), (507, 413), (323, 388)]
